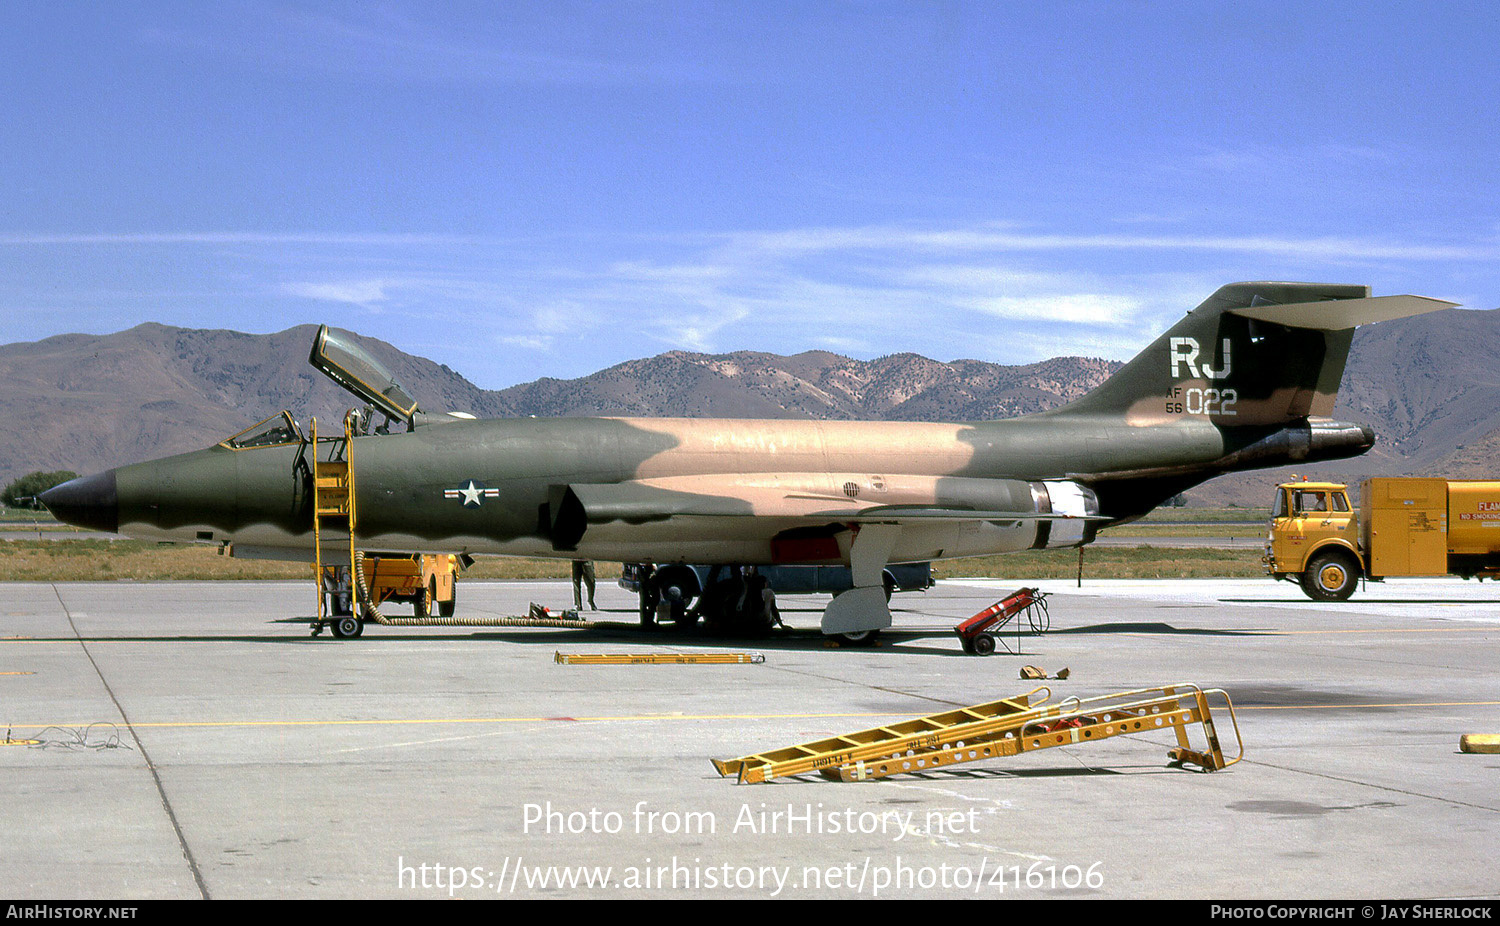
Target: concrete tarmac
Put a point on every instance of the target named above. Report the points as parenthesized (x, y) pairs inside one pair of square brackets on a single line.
[(194, 741)]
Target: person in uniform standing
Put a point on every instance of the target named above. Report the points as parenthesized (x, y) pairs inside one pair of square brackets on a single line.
[(583, 572)]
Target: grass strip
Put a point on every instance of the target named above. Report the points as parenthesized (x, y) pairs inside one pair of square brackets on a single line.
[(142, 561)]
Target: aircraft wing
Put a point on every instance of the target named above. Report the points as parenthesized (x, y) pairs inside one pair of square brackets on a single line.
[(796, 497), (902, 512)]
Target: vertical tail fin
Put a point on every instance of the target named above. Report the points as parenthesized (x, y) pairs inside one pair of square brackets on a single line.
[(1250, 354)]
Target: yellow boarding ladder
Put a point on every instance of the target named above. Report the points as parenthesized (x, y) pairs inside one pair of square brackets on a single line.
[(333, 514)]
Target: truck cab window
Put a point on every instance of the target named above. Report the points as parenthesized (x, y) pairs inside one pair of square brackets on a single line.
[(1311, 502)]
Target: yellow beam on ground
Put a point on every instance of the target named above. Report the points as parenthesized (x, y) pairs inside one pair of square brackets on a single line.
[(633, 659), (1479, 742)]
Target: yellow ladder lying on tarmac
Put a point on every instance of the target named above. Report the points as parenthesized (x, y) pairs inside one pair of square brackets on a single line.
[(999, 729), (922, 733)]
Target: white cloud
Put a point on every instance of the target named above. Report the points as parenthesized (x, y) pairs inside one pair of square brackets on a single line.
[(232, 237), (844, 345), (1004, 240), (573, 316), (1079, 308), (1281, 160), (695, 331), (355, 292), (528, 342), (385, 43)]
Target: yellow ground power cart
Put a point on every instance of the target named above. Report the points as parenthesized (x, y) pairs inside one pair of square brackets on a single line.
[(426, 581)]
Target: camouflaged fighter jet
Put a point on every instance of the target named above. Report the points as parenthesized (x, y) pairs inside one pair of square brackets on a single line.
[(1245, 380)]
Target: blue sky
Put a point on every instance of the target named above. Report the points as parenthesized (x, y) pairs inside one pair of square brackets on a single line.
[(524, 189)]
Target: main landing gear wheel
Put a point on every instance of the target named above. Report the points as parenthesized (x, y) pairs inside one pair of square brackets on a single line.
[(1330, 577), (677, 586), (861, 638), (347, 627)]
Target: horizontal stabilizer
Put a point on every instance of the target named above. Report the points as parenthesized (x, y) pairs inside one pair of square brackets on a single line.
[(1338, 314)]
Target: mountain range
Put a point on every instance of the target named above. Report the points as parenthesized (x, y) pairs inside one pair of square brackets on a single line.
[(1428, 385)]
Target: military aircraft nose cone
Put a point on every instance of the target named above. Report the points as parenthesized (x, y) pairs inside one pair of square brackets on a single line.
[(90, 502)]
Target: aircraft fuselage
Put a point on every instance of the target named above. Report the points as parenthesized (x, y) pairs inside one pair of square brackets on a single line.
[(489, 486)]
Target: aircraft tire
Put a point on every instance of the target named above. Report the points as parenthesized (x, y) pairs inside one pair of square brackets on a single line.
[(347, 627), (678, 586), (1331, 576), (861, 638)]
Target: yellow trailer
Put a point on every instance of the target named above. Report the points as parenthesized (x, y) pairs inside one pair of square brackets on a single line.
[(1406, 526), (426, 581)]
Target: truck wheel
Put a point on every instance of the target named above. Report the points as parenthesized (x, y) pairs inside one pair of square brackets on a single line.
[(421, 603), (446, 608), (1330, 577)]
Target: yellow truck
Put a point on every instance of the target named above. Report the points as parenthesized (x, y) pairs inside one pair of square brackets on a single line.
[(1406, 526)]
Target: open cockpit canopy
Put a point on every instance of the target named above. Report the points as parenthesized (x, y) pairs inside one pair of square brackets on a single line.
[(337, 356)]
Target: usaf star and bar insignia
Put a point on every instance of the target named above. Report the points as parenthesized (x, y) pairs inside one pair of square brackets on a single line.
[(472, 493)]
